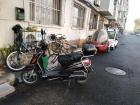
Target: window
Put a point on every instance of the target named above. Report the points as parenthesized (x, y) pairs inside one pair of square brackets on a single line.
[(115, 2), (45, 11), (97, 3), (78, 16), (30, 38), (93, 21), (32, 10)]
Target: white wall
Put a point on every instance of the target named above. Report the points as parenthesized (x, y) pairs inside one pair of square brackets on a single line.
[(111, 6), (92, 1), (7, 21)]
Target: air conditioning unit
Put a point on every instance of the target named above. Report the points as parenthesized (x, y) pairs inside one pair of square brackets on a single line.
[(97, 3)]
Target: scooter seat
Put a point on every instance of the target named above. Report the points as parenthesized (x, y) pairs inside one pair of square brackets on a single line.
[(68, 59)]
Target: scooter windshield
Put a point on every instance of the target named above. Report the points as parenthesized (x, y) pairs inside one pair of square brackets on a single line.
[(100, 36)]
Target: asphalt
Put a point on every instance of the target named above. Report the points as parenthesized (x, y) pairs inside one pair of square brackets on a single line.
[(102, 87)]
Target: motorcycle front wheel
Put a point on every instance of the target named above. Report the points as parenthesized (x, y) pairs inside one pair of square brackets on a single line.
[(29, 76)]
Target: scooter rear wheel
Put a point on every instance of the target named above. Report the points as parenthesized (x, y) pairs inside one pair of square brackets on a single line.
[(82, 81)]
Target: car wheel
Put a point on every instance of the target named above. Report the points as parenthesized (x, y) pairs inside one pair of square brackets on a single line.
[(108, 50), (112, 48)]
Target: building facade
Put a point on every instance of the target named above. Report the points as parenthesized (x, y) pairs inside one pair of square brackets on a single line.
[(74, 18), (123, 12)]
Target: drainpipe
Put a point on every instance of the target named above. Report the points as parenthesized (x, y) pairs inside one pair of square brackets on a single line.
[(24, 10), (23, 4)]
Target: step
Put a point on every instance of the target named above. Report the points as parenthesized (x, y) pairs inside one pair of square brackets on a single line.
[(6, 89)]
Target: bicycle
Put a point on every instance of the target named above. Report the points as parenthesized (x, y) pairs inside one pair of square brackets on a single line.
[(18, 59), (59, 46)]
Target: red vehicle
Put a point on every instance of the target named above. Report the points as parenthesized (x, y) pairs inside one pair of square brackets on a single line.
[(100, 40)]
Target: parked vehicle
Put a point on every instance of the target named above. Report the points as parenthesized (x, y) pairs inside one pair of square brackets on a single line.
[(137, 33), (17, 59), (73, 66), (100, 40), (88, 47), (113, 39)]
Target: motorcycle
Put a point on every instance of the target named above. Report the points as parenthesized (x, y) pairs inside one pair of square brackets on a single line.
[(72, 66)]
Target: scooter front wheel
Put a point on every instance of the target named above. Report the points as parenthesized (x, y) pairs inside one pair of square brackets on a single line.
[(29, 76)]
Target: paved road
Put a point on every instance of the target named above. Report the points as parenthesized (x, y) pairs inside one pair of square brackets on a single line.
[(103, 88)]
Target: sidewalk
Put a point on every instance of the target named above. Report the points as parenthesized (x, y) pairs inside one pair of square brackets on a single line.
[(6, 82)]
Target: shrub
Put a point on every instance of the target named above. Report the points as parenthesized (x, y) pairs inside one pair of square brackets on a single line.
[(4, 52)]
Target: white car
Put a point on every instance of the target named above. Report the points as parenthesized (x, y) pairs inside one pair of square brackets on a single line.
[(113, 40)]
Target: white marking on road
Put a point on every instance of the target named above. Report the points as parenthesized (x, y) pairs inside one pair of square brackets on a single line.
[(115, 71)]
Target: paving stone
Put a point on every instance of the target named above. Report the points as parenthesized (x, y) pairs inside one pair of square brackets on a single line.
[(7, 77), (6, 89)]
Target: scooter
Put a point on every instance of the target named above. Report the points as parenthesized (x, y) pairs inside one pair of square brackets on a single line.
[(78, 68), (100, 40)]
